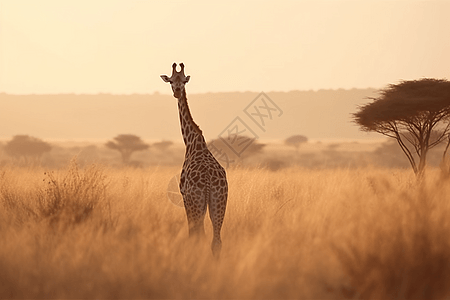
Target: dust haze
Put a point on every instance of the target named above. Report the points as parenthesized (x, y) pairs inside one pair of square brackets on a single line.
[(324, 114), (91, 149)]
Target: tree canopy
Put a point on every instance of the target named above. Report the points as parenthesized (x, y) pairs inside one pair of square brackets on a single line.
[(296, 140), (26, 146), (126, 144), (416, 113)]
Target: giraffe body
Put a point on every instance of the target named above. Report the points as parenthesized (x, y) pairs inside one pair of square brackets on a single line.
[(203, 182)]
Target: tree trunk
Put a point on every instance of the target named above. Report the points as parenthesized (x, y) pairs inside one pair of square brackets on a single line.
[(407, 153), (445, 164), (421, 169), (422, 161), (126, 157)]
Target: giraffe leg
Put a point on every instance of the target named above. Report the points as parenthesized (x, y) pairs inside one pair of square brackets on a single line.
[(216, 214), (196, 228), (195, 212)]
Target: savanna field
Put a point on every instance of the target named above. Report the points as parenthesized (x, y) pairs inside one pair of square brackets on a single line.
[(102, 232)]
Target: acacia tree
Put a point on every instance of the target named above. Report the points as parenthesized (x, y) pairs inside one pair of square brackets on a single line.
[(296, 141), (126, 144), (27, 147), (415, 113)]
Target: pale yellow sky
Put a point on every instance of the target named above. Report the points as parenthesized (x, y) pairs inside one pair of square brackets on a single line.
[(122, 46)]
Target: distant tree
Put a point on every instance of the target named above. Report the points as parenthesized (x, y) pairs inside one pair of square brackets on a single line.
[(296, 141), (254, 149), (126, 144), (163, 145), (415, 113), (26, 147), (237, 148)]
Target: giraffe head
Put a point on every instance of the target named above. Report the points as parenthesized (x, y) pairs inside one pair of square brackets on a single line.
[(177, 80)]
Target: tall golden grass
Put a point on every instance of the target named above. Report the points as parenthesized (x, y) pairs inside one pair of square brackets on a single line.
[(98, 232)]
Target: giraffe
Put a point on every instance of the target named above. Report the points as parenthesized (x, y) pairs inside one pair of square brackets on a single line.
[(203, 182)]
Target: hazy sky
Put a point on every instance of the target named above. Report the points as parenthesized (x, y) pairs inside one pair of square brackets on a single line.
[(122, 46)]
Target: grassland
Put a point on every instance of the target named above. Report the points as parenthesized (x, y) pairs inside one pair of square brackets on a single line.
[(100, 232)]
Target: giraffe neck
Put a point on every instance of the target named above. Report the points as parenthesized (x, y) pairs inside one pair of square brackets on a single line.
[(192, 135)]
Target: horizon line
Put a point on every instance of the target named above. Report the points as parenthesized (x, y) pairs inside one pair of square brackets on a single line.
[(169, 94)]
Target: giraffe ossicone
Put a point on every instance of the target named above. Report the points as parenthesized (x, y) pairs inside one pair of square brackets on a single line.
[(203, 181), (177, 80)]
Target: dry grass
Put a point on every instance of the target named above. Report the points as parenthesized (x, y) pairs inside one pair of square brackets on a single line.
[(112, 233)]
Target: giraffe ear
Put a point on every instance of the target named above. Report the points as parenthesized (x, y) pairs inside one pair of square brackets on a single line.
[(187, 79), (165, 78)]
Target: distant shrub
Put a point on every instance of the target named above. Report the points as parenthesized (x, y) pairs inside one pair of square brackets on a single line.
[(163, 145), (274, 164)]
